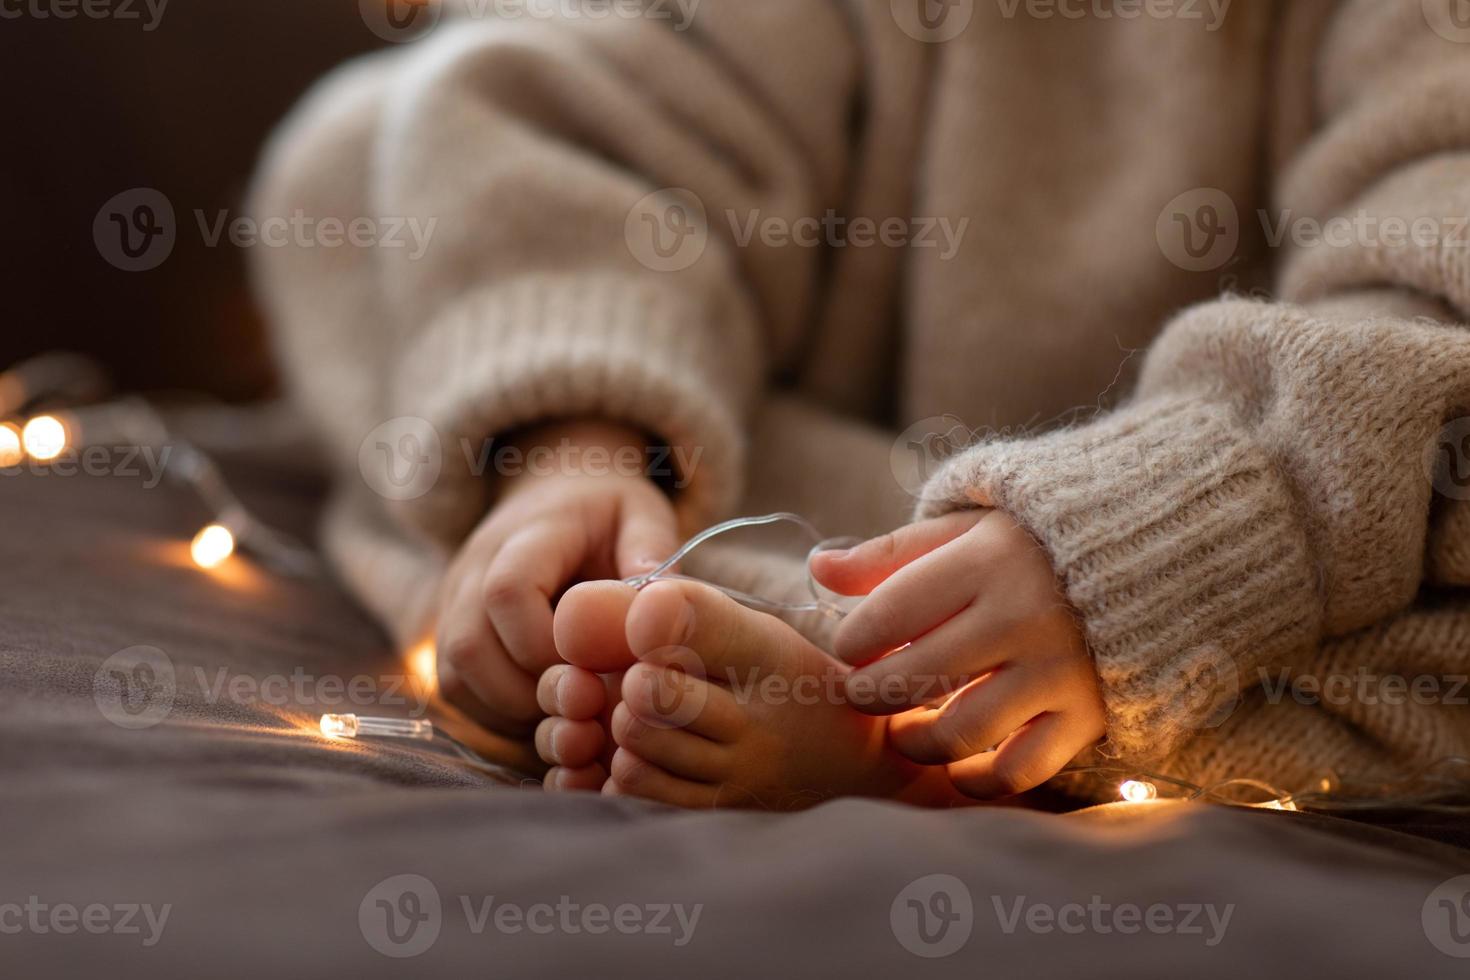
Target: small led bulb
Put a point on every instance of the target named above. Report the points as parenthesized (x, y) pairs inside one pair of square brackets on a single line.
[(353, 726), (423, 663), (339, 726), (11, 451), (44, 437), (1138, 791), (212, 545)]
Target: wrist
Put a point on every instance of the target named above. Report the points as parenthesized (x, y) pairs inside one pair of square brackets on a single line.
[(572, 449), (580, 432)]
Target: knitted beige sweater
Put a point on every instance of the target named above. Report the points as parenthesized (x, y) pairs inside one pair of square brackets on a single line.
[(1249, 503)]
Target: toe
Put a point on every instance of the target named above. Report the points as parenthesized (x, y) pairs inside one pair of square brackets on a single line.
[(571, 692), (728, 638), (561, 742), (632, 776), (666, 695), (588, 779), (672, 749), (589, 626)]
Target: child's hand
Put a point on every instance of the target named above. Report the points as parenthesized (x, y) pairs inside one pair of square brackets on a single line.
[(546, 532), (973, 596)]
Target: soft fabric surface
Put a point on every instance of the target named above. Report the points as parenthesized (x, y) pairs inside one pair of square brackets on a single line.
[(266, 839)]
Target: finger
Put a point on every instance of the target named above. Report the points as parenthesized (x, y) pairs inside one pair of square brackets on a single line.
[(561, 742), (1028, 758), (476, 675), (859, 570), (589, 626), (474, 702), (571, 692), (975, 720), (528, 570), (589, 779), (930, 669), (647, 532), (915, 600)]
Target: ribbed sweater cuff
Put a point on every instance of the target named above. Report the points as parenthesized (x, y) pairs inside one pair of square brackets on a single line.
[(1177, 545), (552, 348)]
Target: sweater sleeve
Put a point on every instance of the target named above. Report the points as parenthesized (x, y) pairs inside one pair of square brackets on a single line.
[(1270, 486), (555, 191)]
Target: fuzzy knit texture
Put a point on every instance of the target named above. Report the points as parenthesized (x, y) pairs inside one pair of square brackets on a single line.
[(1245, 463)]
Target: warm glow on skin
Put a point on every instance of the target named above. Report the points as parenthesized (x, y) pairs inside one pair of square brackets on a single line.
[(44, 437), (212, 546)]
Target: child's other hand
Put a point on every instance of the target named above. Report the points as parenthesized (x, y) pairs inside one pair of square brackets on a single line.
[(978, 605), (548, 529)]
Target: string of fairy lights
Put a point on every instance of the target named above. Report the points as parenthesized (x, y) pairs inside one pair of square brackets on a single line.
[(43, 419), (57, 404)]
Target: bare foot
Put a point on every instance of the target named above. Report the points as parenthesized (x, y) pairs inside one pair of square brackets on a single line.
[(731, 707), (580, 695), (573, 739)]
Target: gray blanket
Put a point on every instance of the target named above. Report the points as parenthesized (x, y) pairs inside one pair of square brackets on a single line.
[(181, 817)]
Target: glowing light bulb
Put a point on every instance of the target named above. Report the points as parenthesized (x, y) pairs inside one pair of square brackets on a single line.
[(423, 662), (352, 726), (212, 545), (1138, 791), (44, 437), (11, 451), (339, 726)]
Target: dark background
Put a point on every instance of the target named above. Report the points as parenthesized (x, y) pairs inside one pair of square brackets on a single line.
[(95, 107)]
